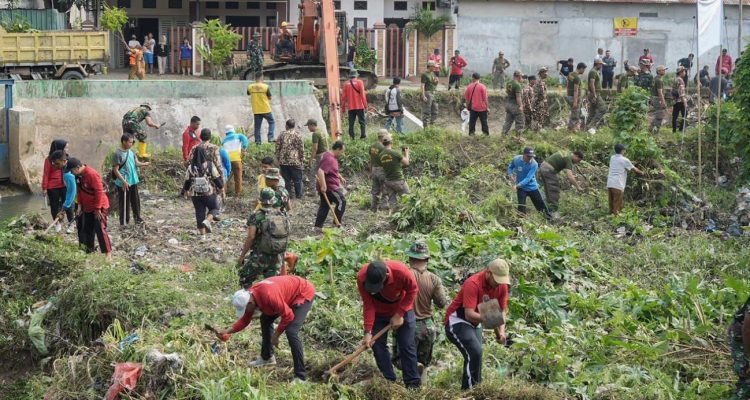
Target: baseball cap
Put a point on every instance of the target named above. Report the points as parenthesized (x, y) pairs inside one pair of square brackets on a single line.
[(430, 63), (598, 61), (256, 34), (353, 73), (267, 197), (529, 151), (272, 173), (240, 300), (418, 251), (375, 276), (543, 69), (283, 24), (72, 164), (382, 133), (679, 69), (229, 128), (147, 105), (311, 121), (661, 68), (387, 139), (500, 270)]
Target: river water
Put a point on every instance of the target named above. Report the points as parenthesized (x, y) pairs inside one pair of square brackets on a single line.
[(11, 206)]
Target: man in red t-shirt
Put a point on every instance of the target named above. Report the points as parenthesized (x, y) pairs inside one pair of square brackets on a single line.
[(475, 98), (458, 64), (646, 56), (388, 289), (92, 222), (289, 297), (462, 317), (330, 185), (191, 137), (354, 103)]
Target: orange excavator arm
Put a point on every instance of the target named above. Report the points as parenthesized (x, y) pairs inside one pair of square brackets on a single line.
[(328, 30)]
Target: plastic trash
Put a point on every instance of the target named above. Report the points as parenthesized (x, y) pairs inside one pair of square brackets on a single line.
[(125, 377), (36, 331), (128, 341), (710, 225), (173, 242), (140, 251)]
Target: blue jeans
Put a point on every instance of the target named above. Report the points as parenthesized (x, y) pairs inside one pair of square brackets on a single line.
[(399, 123), (259, 121), (407, 349)]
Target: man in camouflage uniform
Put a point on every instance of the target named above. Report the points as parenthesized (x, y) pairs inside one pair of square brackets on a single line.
[(624, 79), (281, 195), (644, 79), (376, 170), (739, 345), (597, 105), (132, 125), (679, 97), (658, 104), (430, 291), (255, 54), (514, 103), (498, 71), (258, 264), (540, 106), (574, 96), (527, 97)]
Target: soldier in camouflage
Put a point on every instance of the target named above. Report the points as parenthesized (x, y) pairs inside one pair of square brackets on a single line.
[(540, 119), (644, 79), (132, 124), (255, 54), (574, 96), (658, 103), (257, 263), (597, 105), (527, 96), (498, 71), (281, 195), (624, 79), (739, 345)]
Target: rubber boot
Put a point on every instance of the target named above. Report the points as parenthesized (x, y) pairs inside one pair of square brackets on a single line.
[(142, 150)]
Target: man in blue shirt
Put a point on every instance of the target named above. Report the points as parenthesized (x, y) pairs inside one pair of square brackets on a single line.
[(124, 168), (59, 159), (524, 167)]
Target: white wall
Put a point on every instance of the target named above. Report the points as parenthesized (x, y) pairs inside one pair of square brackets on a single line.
[(527, 32)]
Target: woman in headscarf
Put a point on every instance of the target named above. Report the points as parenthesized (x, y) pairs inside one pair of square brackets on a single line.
[(53, 185), (204, 180)]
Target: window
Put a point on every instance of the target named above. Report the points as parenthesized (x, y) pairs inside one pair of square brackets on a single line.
[(232, 5), (149, 3), (175, 3), (360, 23), (360, 5), (270, 6), (212, 4), (123, 3), (253, 5), (648, 15), (337, 5), (400, 5), (428, 5)]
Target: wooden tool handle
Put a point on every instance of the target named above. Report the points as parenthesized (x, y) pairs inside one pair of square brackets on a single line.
[(359, 350), (57, 218)]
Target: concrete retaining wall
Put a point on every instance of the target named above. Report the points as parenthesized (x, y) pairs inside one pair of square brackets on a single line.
[(89, 113)]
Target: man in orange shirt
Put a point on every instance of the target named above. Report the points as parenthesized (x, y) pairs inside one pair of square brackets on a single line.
[(475, 98), (354, 101), (191, 137)]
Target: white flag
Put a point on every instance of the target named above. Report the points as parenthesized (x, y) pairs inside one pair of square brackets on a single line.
[(710, 24)]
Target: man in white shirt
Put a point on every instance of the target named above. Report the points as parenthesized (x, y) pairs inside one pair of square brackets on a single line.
[(599, 54), (617, 178)]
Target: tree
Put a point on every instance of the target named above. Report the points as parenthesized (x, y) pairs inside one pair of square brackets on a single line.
[(426, 23), (221, 41), (113, 19)]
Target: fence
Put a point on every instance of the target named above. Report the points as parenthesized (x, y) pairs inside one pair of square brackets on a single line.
[(394, 59), (176, 35)]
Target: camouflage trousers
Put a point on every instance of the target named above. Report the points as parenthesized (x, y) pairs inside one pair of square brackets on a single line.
[(258, 264), (539, 117), (134, 128), (498, 80), (392, 190), (429, 109), (551, 181), (658, 118), (741, 363), (597, 109), (513, 114), (425, 336), (575, 114), (377, 187)]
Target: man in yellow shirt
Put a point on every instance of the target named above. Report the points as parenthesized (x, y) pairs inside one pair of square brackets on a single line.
[(260, 102), (235, 144)]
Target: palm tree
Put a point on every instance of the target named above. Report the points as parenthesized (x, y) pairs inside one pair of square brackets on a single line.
[(426, 23)]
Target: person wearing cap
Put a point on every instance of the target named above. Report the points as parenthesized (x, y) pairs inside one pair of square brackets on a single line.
[(260, 261), (376, 170), (524, 167), (658, 103), (393, 163), (429, 82), (351, 52), (687, 63), (597, 105), (514, 111), (191, 136), (290, 154), (540, 116), (284, 44), (354, 103), (431, 291), (94, 204), (272, 179), (498, 70), (388, 291), (205, 163), (436, 57), (679, 96), (527, 97), (617, 178), (132, 124), (475, 98), (463, 319), (260, 102), (125, 170), (287, 297), (319, 146), (724, 63), (235, 145), (574, 96), (394, 106), (457, 64), (648, 57), (608, 70), (623, 80), (330, 185), (566, 67), (254, 51), (549, 173), (644, 79)]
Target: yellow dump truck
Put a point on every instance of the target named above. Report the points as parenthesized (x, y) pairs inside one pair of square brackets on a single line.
[(52, 54)]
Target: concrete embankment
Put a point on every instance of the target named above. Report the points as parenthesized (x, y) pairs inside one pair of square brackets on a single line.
[(89, 113)]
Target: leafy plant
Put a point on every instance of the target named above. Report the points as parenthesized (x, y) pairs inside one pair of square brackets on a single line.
[(221, 41), (365, 57), (628, 126), (425, 22), (17, 24), (735, 115), (113, 19)]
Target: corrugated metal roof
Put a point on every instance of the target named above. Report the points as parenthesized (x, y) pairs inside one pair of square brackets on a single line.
[(43, 20)]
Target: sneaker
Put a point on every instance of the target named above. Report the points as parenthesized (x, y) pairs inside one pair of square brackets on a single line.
[(261, 362), (298, 381), (58, 227), (207, 225), (71, 227), (420, 368)]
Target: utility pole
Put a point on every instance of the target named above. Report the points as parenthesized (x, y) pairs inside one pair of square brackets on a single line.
[(739, 31)]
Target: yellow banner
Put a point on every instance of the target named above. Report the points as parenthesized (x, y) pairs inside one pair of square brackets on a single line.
[(626, 26)]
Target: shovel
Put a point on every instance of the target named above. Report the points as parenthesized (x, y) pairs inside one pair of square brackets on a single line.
[(330, 206), (55, 221), (331, 373), (491, 314)]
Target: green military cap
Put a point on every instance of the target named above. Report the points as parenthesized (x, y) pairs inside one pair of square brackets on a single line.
[(273, 173), (267, 197), (418, 251)]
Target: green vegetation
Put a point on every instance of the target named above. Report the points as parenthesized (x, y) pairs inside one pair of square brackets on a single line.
[(365, 57), (222, 41), (426, 22), (114, 19)]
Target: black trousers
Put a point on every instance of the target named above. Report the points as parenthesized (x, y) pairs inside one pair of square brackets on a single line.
[(203, 204), (482, 115), (292, 175), (359, 115), (337, 201), (536, 198), (56, 199), (133, 203), (90, 230), (469, 342), (608, 78), (454, 79), (292, 335), (677, 109), (407, 349)]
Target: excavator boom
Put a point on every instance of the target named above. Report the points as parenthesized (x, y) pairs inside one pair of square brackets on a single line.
[(328, 23)]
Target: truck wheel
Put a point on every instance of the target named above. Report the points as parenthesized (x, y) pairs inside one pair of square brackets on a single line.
[(72, 75)]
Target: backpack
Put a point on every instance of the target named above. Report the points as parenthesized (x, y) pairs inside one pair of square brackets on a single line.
[(201, 186), (274, 233)]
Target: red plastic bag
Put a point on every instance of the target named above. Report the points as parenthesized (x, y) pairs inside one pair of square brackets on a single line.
[(125, 377), (290, 263)]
